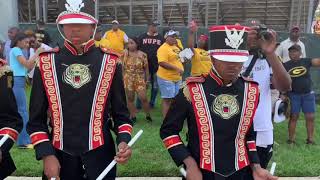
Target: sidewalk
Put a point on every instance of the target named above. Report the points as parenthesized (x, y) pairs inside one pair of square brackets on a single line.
[(162, 178)]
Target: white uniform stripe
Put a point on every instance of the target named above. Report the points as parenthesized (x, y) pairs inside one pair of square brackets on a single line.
[(58, 97), (95, 97), (239, 127), (210, 124)]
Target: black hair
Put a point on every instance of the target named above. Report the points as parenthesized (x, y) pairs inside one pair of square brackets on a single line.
[(19, 37), (136, 40)]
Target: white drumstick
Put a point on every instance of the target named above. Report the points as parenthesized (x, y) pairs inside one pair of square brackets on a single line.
[(3, 139), (114, 162), (273, 168), (183, 172)]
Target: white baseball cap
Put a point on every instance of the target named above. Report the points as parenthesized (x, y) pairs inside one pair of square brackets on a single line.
[(115, 22)]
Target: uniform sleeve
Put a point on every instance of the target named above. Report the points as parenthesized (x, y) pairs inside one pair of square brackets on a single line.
[(162, 55), (119, 110), (251, 146), (172, 126), (37, 126), (10, 120)]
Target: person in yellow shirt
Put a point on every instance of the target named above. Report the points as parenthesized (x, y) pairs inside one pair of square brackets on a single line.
[(170, 70), (117, 38), (201, 63), (99, 41)]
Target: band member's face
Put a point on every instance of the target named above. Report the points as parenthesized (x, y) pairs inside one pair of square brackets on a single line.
[(229, 71), (78, 33)]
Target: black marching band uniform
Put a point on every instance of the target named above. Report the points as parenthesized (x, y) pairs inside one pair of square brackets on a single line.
[(86, 99), (219, 118), (10, 120)]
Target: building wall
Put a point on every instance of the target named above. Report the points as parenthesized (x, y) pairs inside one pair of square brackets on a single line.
[(9, 13)]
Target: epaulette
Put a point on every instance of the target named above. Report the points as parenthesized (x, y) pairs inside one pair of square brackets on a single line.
[(197, 79), (185, 88), (4, 69), (53, 50), (110, 51), (248, 79)]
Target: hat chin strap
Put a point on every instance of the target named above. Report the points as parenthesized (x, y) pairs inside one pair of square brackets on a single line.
[(94, 33)]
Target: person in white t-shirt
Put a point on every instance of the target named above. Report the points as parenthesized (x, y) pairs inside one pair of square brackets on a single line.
[(36, 47), (294, 38), (266, 70)]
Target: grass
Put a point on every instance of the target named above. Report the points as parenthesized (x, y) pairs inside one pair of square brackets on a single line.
[(150, 158)]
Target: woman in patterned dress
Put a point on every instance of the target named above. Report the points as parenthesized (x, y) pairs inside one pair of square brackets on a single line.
[(135, 75)]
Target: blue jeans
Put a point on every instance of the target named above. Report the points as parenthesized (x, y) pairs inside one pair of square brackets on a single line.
[(20, 95), (154, 92), (168, 89)]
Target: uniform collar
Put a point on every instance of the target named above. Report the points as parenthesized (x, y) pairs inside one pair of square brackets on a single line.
[(73, 50), (215, 76)]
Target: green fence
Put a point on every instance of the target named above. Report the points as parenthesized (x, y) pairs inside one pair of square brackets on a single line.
[(312, 42)]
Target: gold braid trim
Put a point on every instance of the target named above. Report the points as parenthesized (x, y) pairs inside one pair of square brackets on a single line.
[(186, 92), (4, 69)]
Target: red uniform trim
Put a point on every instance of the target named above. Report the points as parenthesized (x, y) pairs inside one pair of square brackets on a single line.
[(172, 141), (70, 48), (251, 145), (88, 45), (125, 128), (250, 104), (204, 124), (13, 134), (51, 87), (103, 87), (229, 27), (216, 78), (80, 16), (199, 79), (39, 137)]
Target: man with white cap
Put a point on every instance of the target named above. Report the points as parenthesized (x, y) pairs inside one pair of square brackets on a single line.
[(170, 71), (82, 87), (219, 109), (116, 37)]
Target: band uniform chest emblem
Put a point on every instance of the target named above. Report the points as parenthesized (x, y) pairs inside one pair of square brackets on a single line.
[(226, 106), (77, 75)]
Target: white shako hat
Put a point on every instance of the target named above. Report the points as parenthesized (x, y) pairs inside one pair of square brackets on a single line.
[(229, 43), (76, 12)]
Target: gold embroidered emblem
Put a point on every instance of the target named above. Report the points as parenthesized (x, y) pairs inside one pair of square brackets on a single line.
[(226, 106), (77, 75), (9, 81)]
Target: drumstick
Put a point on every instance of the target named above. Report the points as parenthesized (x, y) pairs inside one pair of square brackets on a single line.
[(183, 172), (114, 162), (273, 168), (3, 139)]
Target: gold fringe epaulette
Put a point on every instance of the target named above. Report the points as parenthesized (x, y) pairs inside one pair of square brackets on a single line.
[(4, 69), (186, 92)]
